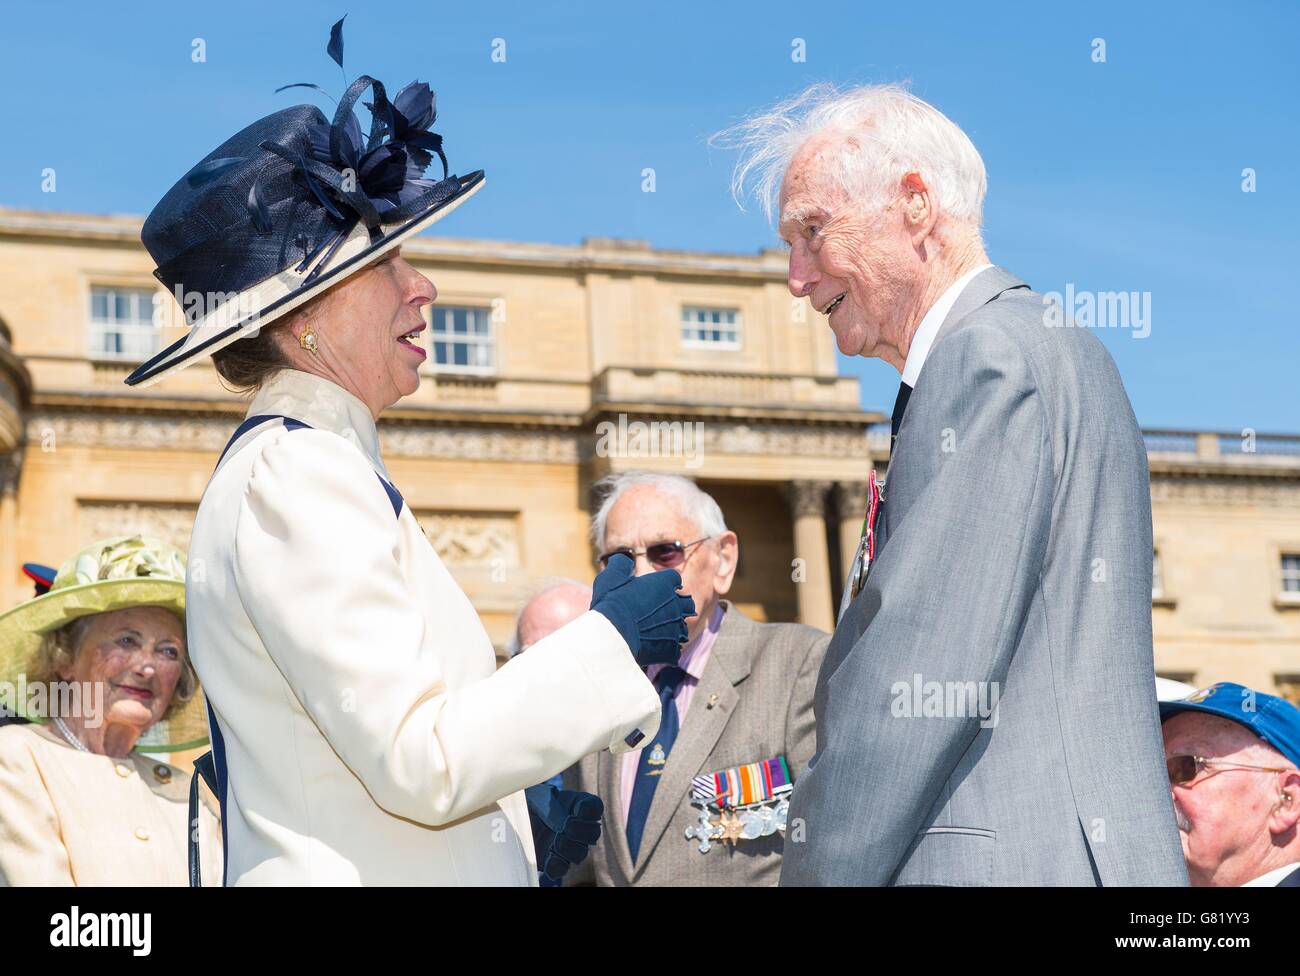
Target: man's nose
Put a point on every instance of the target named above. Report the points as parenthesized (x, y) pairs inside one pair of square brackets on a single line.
[(803, 275), (644, 565)]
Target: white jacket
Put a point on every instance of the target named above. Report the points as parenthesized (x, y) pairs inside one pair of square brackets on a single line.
[(368, 736)]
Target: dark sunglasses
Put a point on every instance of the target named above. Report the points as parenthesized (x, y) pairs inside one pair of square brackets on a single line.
[(1184, 769), (665, 555)]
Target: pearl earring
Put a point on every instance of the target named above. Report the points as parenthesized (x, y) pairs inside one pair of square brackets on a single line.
[(308, 340)]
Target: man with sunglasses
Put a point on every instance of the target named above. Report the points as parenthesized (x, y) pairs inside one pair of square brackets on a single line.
[(703, 801), (1232, 755)]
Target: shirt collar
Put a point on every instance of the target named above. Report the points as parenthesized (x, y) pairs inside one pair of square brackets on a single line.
[(1271, 879), (322, 404), (929, 327)]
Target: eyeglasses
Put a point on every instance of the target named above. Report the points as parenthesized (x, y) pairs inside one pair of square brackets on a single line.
[(1184, 769), (665, 555)]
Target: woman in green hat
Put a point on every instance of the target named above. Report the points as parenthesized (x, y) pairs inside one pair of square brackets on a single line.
[(99, 665)]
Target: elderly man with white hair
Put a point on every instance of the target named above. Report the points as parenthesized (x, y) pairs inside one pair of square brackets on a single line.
[(986, 710), (703, 802)]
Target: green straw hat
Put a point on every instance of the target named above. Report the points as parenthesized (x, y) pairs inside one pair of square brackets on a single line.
[(112, 574)]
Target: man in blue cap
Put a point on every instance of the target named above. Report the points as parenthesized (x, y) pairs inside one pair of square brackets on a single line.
[(1232, 755)]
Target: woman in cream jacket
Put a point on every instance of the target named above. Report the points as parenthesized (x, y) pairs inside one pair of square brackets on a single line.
[(98, 664), (361, 731)]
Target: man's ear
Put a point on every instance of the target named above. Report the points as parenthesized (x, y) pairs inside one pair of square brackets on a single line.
[(920, 209), (728, 559), (1286, 809)]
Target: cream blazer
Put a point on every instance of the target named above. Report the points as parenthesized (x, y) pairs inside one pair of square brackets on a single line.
[(74, 818), (368, 736)]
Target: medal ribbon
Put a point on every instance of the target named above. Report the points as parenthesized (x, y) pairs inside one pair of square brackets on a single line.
[(873, 512), (742, 786)]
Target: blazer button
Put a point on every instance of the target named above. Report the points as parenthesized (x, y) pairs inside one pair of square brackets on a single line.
[(123, 771), (142, 833), (162, 774)]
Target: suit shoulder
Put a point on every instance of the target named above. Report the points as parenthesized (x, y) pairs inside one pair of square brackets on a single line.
[(1052, 343), (288, 465), (1015, 335), (308, 447)]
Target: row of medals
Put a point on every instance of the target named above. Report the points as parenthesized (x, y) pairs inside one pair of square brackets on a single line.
[(741, 823)]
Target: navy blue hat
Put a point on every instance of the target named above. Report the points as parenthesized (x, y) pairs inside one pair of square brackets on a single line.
[(41, 575), (1273, 719), (290, 206)]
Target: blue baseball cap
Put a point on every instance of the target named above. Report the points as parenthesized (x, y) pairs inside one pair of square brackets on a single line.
[(1273, 719)]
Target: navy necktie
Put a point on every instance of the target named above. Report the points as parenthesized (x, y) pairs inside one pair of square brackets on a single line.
[(654, 756), (900, 408)]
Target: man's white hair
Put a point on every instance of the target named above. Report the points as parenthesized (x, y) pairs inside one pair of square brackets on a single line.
[(888, 133), (695, 503)]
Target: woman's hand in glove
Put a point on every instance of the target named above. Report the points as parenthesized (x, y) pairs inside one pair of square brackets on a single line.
[(566, 823), (647, 610)]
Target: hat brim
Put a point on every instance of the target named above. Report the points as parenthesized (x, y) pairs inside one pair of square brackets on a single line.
[(275, 297), (23, 627), (1168, 709)]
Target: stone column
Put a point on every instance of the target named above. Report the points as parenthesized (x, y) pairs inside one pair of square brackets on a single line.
[(851, 505), (813, 584)]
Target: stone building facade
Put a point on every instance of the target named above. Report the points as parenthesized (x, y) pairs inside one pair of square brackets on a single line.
[(551, 366)]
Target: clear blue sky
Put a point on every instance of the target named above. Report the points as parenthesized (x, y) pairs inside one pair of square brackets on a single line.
[(1117, 176)]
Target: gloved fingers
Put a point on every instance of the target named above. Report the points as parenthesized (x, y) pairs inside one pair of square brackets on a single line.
[(555, 867), (583, 831), (585, 806), (673, 604), (571, 850), (665, 628), (668, 609)]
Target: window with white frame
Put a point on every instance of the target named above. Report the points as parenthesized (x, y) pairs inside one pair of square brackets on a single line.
[(122, 323), (717, 328), (1291, 573), (461, 336)]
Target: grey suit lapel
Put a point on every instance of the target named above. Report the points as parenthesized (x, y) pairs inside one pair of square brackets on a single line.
[(979, 291), (729, 664)]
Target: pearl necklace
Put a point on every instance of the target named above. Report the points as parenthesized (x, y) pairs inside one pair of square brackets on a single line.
[(67, 734)]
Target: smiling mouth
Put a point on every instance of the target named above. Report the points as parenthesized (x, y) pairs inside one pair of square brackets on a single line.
[(835, 303), (409, 339), (143, 694)]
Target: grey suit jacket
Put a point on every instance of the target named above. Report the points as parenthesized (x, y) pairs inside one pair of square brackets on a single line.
[(754, 701), (1014, 554)]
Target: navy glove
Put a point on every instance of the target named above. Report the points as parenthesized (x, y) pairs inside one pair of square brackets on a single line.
[(565, 825), (647, 610)]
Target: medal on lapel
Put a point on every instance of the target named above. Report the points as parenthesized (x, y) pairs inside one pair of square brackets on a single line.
[(741, 803), (867, 544)]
